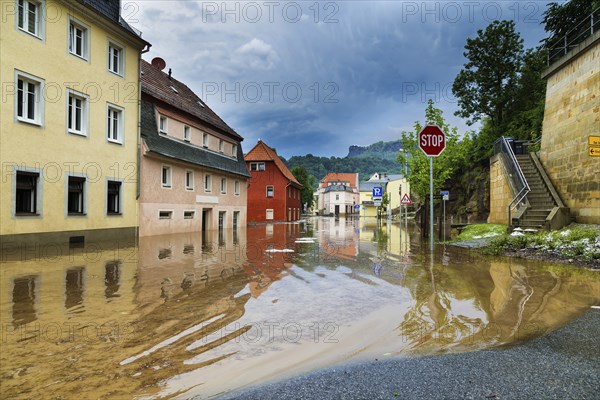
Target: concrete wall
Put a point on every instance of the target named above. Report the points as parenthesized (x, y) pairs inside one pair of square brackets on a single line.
[(500, 193), (572, 114)]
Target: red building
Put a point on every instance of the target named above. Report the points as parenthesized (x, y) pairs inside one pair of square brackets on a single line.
[(273, 191)]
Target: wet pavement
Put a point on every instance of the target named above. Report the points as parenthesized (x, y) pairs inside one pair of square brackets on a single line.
[(193, 314)]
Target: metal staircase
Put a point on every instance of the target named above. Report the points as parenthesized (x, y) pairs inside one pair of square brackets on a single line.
[(545, 209)]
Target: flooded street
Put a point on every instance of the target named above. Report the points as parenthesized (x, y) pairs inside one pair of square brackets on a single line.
[(185, 315)]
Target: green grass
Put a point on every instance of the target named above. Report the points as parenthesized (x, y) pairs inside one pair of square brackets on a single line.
[(577, 241), (478, 231)]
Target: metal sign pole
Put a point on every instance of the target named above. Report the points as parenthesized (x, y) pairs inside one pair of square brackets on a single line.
[(444, 201), (431, 203)]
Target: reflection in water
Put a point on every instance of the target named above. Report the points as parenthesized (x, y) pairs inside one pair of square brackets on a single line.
[(267, 299), (74, 289), (23, 298), (112, 279)]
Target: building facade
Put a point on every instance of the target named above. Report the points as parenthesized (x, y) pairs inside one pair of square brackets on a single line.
[(193, 175), (69, 122), (326, 200), (274, 194)]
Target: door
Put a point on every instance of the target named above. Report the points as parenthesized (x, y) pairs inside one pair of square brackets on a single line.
[(337, 209)]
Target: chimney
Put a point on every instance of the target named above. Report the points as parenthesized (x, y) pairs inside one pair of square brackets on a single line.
[(169, 73)]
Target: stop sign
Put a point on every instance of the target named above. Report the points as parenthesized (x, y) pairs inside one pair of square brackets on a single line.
[(432, 140)]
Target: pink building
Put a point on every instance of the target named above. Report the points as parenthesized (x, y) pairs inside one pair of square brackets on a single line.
[(192, 172)]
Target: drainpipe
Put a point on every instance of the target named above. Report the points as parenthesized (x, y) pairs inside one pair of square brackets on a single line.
[(139, 137)]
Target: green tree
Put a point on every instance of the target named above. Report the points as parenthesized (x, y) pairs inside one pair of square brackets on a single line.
[(486, 84), (306, 180), (455, 157), (559, 18)]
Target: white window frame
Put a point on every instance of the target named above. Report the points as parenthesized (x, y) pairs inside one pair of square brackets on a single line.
[(120, 70), (272, 191), (270, 215), (85, 45), (189, 187), (120, 123), (208, 183), (233, 150), (40, 19), (187, 133), (162, 124), (169, 214), (191, 214), (38, 101), (221, 145), (169, 176), (205, 139), (236, 187), (223, 185), (85, 101)]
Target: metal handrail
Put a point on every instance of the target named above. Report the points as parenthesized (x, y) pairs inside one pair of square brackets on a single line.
[(503, 146), (574, 36)]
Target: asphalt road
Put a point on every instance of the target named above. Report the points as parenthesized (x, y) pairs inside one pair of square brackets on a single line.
[(562, 365)]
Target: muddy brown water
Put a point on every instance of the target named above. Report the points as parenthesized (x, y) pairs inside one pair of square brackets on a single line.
[(182, 315)]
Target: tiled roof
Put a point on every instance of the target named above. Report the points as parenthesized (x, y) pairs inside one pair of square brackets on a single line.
[(175, 149), (338, 188), (159, 85), (340, 177), (262, 152), (368, 186)]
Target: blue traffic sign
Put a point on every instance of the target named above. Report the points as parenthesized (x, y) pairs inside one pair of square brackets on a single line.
[(357, 206), (377, 191)]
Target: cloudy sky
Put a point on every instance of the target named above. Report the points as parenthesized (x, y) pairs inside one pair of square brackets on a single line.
[(317, 77)]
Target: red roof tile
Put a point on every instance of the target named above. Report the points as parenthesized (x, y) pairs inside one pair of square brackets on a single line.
[(262, 152), (341, 177)]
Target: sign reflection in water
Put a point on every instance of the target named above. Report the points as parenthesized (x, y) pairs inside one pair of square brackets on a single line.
[(207, 313)]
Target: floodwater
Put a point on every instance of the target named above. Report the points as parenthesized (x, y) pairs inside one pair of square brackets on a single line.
[(183, 315)]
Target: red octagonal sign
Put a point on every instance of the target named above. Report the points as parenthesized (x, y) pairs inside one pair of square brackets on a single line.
[(432, 140)]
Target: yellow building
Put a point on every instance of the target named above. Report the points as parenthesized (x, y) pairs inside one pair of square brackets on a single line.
[(69, 121), (395, 186)]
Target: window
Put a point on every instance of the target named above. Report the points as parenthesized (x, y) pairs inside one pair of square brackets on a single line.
[(78, 40), (113, 198), (166, 176), (75, 196), (188, 214), (26, 194), (114, 124), (221, 220), (162, 124), (236, 219), (337, 196), (269, 215), (30, 19), (77, 114), (115, 58), (270, 191), (257, 166), (234, 150), (205, 139), (186, 133), (29, 104), (165, 214), (189, 180), (223, 185), (207, 183), (221, 146), (236, 188)]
